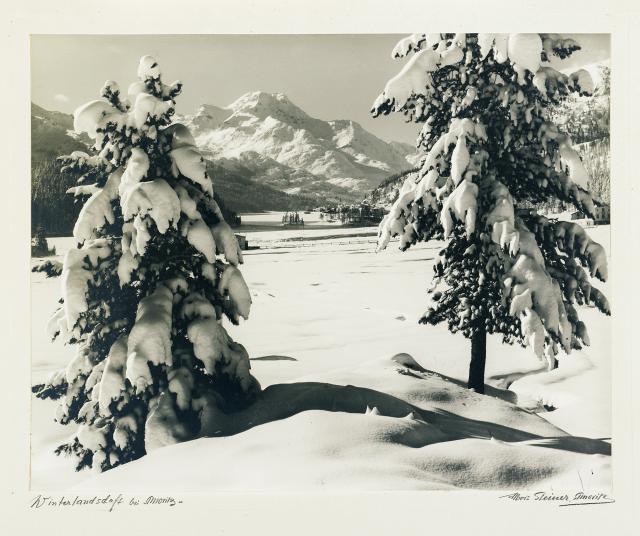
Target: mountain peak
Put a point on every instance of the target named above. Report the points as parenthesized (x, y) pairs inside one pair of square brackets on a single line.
[(331, 155), (207, 108), (262, 101), (207, 116), (261, 105)]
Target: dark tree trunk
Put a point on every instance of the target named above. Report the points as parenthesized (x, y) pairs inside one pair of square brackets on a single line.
[(478, 359)]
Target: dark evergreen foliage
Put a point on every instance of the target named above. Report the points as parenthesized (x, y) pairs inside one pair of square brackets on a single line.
[(145, 290), (491, 149)]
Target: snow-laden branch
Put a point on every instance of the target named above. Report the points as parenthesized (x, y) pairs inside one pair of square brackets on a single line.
[(150, 337), (527, 52)]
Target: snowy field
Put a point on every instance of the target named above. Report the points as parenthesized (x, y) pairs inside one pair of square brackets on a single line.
[(328, 315)]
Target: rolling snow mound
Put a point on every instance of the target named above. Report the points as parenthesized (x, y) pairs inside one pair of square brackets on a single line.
[(424, 431)]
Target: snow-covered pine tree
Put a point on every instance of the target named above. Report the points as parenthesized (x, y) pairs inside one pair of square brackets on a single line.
[(146, 288), (489, 145)]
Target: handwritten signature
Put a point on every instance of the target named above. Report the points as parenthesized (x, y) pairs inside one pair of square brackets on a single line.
[(579, 498)]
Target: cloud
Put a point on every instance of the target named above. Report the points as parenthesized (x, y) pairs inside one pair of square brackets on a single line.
[(61, 98)]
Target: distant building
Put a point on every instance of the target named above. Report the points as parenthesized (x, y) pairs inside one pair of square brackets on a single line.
[(601, 215), (525, 211), (525, 208), (242, 241), (578, 215)]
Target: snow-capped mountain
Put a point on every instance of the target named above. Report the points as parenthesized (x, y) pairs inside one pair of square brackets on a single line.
[(237, 187), (293, 151), (265, 140)]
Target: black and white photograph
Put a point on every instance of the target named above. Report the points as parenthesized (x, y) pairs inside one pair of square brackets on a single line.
[(255, 280), (324, 264)]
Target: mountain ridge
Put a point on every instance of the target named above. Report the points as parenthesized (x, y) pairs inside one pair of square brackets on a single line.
[(339, 156), (267, 139), (52, 136)]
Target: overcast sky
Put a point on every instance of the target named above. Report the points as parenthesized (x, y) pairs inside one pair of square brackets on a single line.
[(328, 76)]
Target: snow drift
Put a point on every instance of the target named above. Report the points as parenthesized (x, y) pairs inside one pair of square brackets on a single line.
[(425, 431)]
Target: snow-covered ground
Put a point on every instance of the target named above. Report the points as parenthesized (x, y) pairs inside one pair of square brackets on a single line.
[(333, 314)]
